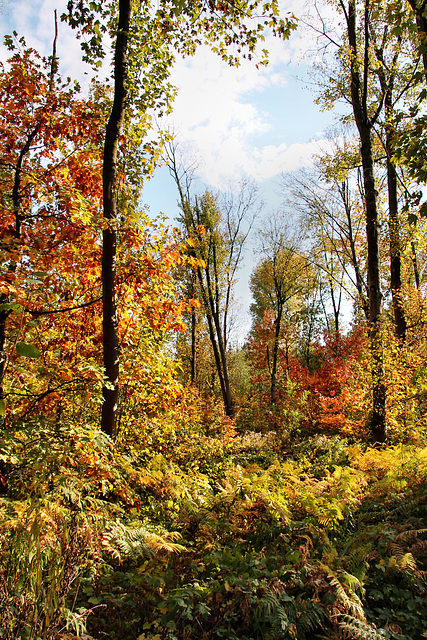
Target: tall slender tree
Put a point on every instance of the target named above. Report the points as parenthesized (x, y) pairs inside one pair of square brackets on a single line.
[(110, 391), (146, 33), (276, 281)]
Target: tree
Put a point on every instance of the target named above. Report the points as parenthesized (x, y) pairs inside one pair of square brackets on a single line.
[(48, 135), (154, 29), (109, 234), (397, 74), (419, 9), (217, 233), (357, 82), (330, 212), (365, 119), (275, 283)]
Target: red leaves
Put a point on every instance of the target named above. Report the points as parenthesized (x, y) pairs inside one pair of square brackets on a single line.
[(325, 386)]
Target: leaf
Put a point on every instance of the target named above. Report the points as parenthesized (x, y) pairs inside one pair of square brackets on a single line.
[(11, 306), (2, 408), (27, 350)]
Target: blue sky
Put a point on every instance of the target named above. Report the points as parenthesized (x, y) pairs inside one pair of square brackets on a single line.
[(239, 123)]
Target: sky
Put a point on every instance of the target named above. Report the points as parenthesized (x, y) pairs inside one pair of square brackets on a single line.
[(239, 123)]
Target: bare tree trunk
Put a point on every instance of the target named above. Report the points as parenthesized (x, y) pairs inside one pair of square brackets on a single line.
[(217, 341), (109, 236), (273, 373), (364, 125)]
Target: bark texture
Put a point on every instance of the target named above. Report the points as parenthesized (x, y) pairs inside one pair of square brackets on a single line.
[(109, 239), (359, 98)]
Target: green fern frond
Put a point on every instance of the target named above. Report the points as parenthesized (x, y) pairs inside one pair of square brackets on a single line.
[(352, 581), (357, 629), (269, 603), (348, 599), (123, 542), (311, 619), (357, 560)]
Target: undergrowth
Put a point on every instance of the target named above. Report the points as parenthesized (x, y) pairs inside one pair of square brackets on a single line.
[(252, 542)]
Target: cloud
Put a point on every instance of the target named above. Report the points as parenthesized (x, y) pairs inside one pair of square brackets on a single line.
[(35, 21), (234, 158), (221, 112)]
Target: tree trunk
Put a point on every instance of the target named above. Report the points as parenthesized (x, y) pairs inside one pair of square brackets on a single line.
[(193, 357), (273, 374), (360, 285), (415, 266), (364, 126), (395, 253), (218, 345), (109, 236), (387, 86)]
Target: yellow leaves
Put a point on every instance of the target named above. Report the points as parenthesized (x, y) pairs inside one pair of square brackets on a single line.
[(378, 463), (403, 561)]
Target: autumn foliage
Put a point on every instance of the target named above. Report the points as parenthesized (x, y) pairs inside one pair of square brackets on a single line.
[(279, 518), (51, 150)]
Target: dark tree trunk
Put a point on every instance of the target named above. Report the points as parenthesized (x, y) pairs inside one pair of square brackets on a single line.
[(273, 373), (395, 253), (378, 422), (3, 317), (387, 85), (415, 266), (364, 125), (109, 236)]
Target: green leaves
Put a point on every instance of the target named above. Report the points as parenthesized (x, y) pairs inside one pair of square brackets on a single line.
[(27, 350)]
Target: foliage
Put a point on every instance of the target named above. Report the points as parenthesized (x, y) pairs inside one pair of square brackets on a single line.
[(45, 547), (277, 521), (248, 544)]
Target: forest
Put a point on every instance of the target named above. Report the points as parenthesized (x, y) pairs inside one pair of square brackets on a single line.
[(161, 479)]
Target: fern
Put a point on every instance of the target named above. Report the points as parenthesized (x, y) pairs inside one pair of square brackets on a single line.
[(402, 559), (311, 619), (357, 629), (412, 533), (272, 607), (133, 542), (346, 597)]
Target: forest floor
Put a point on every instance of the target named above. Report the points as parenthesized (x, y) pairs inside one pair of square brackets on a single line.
[(246, 537), (315, 539)]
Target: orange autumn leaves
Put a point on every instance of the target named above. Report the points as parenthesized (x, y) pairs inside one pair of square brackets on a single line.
[(315, 391), (50, 231)]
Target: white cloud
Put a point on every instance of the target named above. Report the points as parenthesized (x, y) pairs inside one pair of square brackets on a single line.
[(35, 21), (234, 158), (218, 111)]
